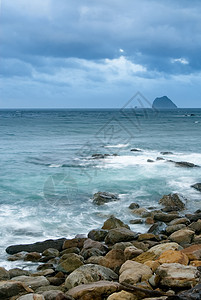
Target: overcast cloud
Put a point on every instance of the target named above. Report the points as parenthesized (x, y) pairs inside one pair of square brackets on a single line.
[(92, 53)]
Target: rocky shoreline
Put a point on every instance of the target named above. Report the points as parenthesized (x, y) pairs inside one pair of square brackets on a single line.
[(114, 262)]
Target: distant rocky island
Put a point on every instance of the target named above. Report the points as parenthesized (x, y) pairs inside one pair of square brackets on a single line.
[(163, 103)]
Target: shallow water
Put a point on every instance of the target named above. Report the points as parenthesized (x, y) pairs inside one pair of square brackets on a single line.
[(47, 175)]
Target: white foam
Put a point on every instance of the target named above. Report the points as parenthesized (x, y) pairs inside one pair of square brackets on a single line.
[(55, 166), (117, 146)]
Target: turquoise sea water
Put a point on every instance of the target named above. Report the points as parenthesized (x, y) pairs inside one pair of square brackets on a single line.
[(47, 175)]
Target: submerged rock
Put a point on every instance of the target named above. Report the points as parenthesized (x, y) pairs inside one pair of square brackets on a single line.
[(186, 164), (197, 186), (101, 198), (166, 153)]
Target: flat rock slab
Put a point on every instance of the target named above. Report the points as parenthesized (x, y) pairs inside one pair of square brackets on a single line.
[(36, 247), (94, 290), (32, 282)]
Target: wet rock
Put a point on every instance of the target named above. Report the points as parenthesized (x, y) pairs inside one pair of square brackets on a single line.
[(96, 290), (55, 295), (97, 234), (159, 249), (69, 263), (182, 236), (131, 252), (123, 295), (173, 228), (4, 274), (172, 256), (192, 294), (136, 221), (70, 250), (36, 247), (120, 235), (17, 256), (51, 252), (197, 186), (43, 267), (140, 211), (101, 198), (99, 156), (150, 160), (172, 202), (133, 205), (149, 221), (31, 297), (18, 272), (186, 164), (193, 252), (159, 158), (177, 276), (113, 222), (132, 272), (166, 153), (10, 289), (32, 256), (157, 228), (71, 243), (165, 217), (194, 217), (32, 282), (89, 273), (136, 150)]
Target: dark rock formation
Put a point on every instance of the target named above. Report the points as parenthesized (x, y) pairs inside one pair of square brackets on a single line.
[(163, 103)]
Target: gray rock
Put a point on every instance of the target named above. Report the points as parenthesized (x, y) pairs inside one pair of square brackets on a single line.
[(55, 295), (11, 288), (97, 234), (89, 273), (182, 236), (136, 150), (101, 198), (4, 274), (120, 235), (134, 205), (136, 221), (31, 297), (173, 228), (186, 164), (18, 272), (69, 262), (51, 252), (166, 153), (165, 217)]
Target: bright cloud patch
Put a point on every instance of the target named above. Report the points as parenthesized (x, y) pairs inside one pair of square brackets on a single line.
[(181, 60)]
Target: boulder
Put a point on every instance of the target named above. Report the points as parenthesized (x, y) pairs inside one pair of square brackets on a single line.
[(86, 253), (136, 150), (32, 256), (18, 272), (170, 229), (32, 282), (70, 250), (152, 264), (4, 274), (182, 236), (51, 252), (165, 217), (96, 290), (69, 262), (197, 239), (185, 164), (157, 228), (31, 297), (172, 202), (172, 256), (194, 217), (142, 258), (195, 226), (131, 252), (146, 236), (132, 272), (134, 205), (193, 252), (141, 211), (123, 295), (120, 235), (197, 186), (179, 221), (113, 260), (55, 295), (72, 243), (88, 244), (122, 245), (10, 288), (159, 249), (113, 222), (36, 247), (89, 273), (175, 275), (136, 221), (192, 294), (97, 234), (195, 263), (101, 198)]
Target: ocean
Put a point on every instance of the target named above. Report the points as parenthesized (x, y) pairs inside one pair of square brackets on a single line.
[(48, 175)]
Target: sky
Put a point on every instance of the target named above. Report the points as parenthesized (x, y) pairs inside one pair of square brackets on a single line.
[(99, 54)]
